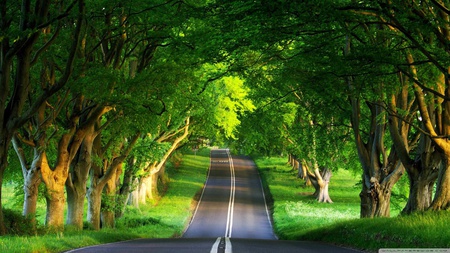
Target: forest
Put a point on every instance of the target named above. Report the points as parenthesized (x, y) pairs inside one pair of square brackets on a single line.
[(96, 96)]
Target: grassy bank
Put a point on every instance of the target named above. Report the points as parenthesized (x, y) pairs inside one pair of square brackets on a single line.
[(295, 210), (165, 219), (297, 216)]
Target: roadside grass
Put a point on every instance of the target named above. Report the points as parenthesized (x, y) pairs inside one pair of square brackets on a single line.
[(419, 230), (295, 210), (297, 215), (166, 218)]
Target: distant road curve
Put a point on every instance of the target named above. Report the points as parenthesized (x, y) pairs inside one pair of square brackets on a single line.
[(231, 216)]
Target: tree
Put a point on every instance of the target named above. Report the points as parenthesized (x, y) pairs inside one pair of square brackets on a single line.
[(21, 46), (424, 45)]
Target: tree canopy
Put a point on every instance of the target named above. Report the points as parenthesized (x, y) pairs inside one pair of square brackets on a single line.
[(105, 91)]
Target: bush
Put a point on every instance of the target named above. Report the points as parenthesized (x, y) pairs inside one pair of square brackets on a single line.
[(17, 224), (134, 222)]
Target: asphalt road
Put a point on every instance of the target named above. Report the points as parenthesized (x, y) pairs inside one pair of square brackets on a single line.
[(231, 216)]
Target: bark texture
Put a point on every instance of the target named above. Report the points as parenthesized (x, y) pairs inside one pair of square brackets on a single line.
[(380, 170), (322, 177), (76, 184)]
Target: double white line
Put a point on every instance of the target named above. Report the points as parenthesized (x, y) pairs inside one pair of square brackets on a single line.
[(232, 196), (223, 244)]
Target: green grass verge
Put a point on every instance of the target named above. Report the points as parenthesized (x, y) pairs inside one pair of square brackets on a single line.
[(168, 218), (420, 230), (295, 210), (297, 216)]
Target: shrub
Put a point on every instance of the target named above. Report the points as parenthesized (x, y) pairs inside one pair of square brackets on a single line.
[(134, 222), (17, 224)]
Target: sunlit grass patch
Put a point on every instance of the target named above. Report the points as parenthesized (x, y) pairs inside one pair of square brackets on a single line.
[(295, 210), (293, 219)]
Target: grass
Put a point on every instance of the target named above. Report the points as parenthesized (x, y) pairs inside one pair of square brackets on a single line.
[(297, 216), (420, 230), (295, 210), (165, 219)]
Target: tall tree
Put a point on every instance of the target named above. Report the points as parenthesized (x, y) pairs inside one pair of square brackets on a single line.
[(22, 25)]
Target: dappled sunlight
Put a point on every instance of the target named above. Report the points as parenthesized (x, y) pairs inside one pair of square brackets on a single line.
[(300, 209)]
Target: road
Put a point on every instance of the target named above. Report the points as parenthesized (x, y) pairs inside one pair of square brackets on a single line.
[(231, 216)]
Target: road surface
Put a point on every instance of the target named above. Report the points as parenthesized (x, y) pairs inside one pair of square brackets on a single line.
[(231, 216)]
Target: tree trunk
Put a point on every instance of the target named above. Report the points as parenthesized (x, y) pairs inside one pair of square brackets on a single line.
[(441, 200), (31, 191), (32, 180), (320, 180), (303, 170), (154, 193), (420, 194), (55, 208), (54, 182), (380, 171), (375, 195), (111, 180), (133, 200), (423, 169), (150, 183), (158, 166), (324, 177), (3, 165), (376, 200), (109, 199), (422, 175), (75, 208), (153, 183), (436, 129), (94, 194), (107, 215), (143, 185), (55, 179), (76, 185), (297, 167), (94, 205), (127, 185)]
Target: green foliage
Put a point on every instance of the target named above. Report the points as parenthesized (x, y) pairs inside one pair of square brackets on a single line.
[(109, 203), (135, 222), (18, 225), (232, 103)]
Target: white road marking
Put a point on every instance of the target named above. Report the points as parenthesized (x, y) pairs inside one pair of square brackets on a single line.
[(265, 203), (215, 247), (228, 247), (232, 196), (201, 196)]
